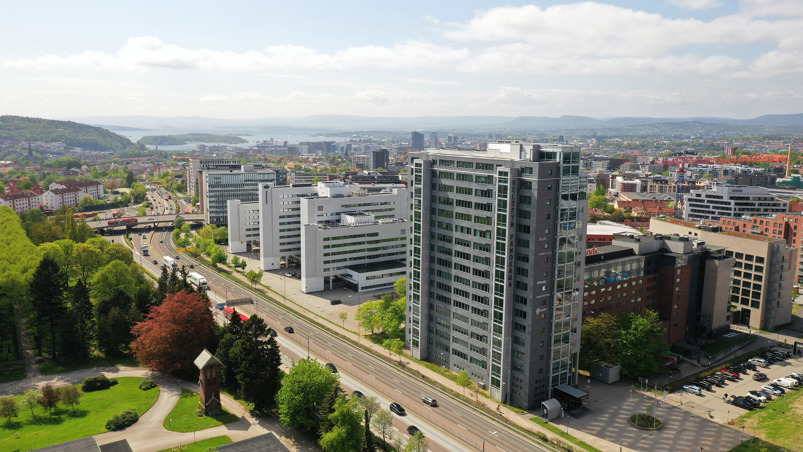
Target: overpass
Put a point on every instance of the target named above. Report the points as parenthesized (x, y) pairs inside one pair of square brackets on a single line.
[(149, 219)]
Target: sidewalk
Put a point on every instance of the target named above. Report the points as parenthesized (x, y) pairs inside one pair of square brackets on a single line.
[(318, 304)]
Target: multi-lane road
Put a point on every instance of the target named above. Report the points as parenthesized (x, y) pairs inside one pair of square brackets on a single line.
[(464, 427)]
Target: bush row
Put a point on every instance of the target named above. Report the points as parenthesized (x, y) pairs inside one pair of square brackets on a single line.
[(122, 420), (97, 383)]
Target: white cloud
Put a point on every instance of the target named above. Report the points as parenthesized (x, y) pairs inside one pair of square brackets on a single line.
[(213, 98), (695, 4)]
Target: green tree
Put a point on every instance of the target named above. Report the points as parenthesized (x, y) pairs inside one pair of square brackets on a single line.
[(254, 277), (235, 261), (228, 352), (112, 279), (179, 222), (114, 329), (129, 179), (47, 297), (394, 346), (221, 235), (418, 443), (343, 316), (85, 202), (347, 433), (70, 395), (368, 436), (8, 408), (30, 399), (369, 315), (464, 380), (141, 212), (259, 375), (641, 344), (383, 423), (82, 313), (599, 341), (303, 392), (117, 252), (86, 260), (401, 288), (218, 256)]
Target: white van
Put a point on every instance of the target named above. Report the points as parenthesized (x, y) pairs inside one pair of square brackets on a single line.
[(786, 382)]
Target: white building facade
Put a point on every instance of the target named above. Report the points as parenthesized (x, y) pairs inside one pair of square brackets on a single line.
[(733, 201)]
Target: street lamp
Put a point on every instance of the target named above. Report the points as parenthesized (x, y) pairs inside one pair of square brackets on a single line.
[(483, 440)]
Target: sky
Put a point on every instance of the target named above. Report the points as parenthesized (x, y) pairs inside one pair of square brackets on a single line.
[(268, 58)]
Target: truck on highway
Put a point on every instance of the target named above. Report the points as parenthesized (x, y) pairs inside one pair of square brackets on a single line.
[(197, 280), (169, 261), (144, 250)]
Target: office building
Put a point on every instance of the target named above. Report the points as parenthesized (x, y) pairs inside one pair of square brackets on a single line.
[(763, 271), (730, 201), (787, 226), (381, 159), (219, 186), (496, 265), (196, 166), (433, 140), (417, 141), (685, 281)]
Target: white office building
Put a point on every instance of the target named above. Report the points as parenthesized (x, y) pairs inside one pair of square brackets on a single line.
[(734, 201)]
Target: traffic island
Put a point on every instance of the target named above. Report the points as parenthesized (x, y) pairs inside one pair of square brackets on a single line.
[(645, 422)]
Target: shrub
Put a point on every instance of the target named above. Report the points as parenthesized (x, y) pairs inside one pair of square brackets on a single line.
[(542, 436), (122, 420), (97, 383), (147, 384)]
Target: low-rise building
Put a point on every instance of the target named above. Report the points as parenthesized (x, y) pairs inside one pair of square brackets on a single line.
[(730, 201), (21, 201)]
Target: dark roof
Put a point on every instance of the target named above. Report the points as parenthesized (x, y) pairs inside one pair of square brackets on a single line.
[(79, 445), (117, 446), (572, 391), (262, 443)]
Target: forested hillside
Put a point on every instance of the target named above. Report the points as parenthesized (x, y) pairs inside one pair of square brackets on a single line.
[(173, 140), (70, 133)]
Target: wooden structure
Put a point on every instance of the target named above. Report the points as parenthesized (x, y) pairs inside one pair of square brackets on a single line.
[(209, 366)]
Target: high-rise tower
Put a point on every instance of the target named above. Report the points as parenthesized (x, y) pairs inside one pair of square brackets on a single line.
[(496, 265)]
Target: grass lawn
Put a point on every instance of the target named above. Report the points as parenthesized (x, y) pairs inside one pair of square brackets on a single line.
[(12, 371), (58, 367), (716, 347), (184, 418), (94, 409), (554, 429), (201, 446), (780, 422), (757, 445)]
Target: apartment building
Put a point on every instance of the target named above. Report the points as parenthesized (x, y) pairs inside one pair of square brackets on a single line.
[(730, 201), (763, 271), (21, 201), (496, 265), (91, 188)]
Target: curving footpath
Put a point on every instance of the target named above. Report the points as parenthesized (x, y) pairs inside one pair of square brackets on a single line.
[(149, 434)]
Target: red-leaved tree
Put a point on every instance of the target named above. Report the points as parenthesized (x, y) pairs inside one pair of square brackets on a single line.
[(174, 333)]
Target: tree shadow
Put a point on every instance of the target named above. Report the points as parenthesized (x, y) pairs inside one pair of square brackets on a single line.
[(12, 425)]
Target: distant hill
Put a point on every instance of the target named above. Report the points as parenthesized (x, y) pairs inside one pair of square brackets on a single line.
[(70, 133), (174, 140)]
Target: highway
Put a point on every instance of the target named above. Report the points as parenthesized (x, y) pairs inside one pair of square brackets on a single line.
[(463, 425)]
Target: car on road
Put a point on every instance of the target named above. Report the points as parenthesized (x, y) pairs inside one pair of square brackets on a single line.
[(289, 329), (759, 376), (151, 219), (693, 389), (331, 367), (357, 394), (161, 241), (192, 266), (758, 361), (741, 403), (288, 274), (772, 390), (397, 408), (412, 430), (155, 263), (334, 302), (429, 401), (177, 257)]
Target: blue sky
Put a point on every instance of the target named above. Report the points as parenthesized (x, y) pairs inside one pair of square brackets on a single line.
[(258, 59)]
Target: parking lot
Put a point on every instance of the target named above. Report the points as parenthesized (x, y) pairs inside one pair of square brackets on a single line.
[(713, 400)]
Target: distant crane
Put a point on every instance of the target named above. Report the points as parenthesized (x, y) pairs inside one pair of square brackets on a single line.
[(679, 191)]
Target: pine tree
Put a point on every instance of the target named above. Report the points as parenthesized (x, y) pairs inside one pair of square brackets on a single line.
[(259, 358), (81, 309), (47, 294), (368, 443), (162, 287)]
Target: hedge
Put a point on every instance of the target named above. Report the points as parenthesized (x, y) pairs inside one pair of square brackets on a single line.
[(147, 384), (97, 383), (122, 420)]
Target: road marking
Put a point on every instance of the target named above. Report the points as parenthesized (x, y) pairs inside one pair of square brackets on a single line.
[(462, 427), (399, 391), (372, 367), (458, 414), (397, 381), (348, 363), (348, 354), (503, 450)]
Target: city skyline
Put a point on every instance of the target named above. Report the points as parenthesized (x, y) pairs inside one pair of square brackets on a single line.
[(675, 58)]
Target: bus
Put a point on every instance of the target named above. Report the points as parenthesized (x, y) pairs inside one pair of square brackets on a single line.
[(123, 222), (227, 312), (197, 280)]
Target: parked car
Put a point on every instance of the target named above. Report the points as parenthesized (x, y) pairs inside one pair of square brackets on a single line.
[(288, 274), (796, 378), (289, 329), (715, 380), (777, 387), (397, 408), (429, 401), (772, 390), (703, 384), (728, 374), (357, 394), (758, 361), (334, 302), (797, 374), (759, 376), (739, 369), (769, 358), (693, 389), (755, 395), (750, 366), (759, 393), (412, 430), (742, 403), (786, 383), (331, 367)]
